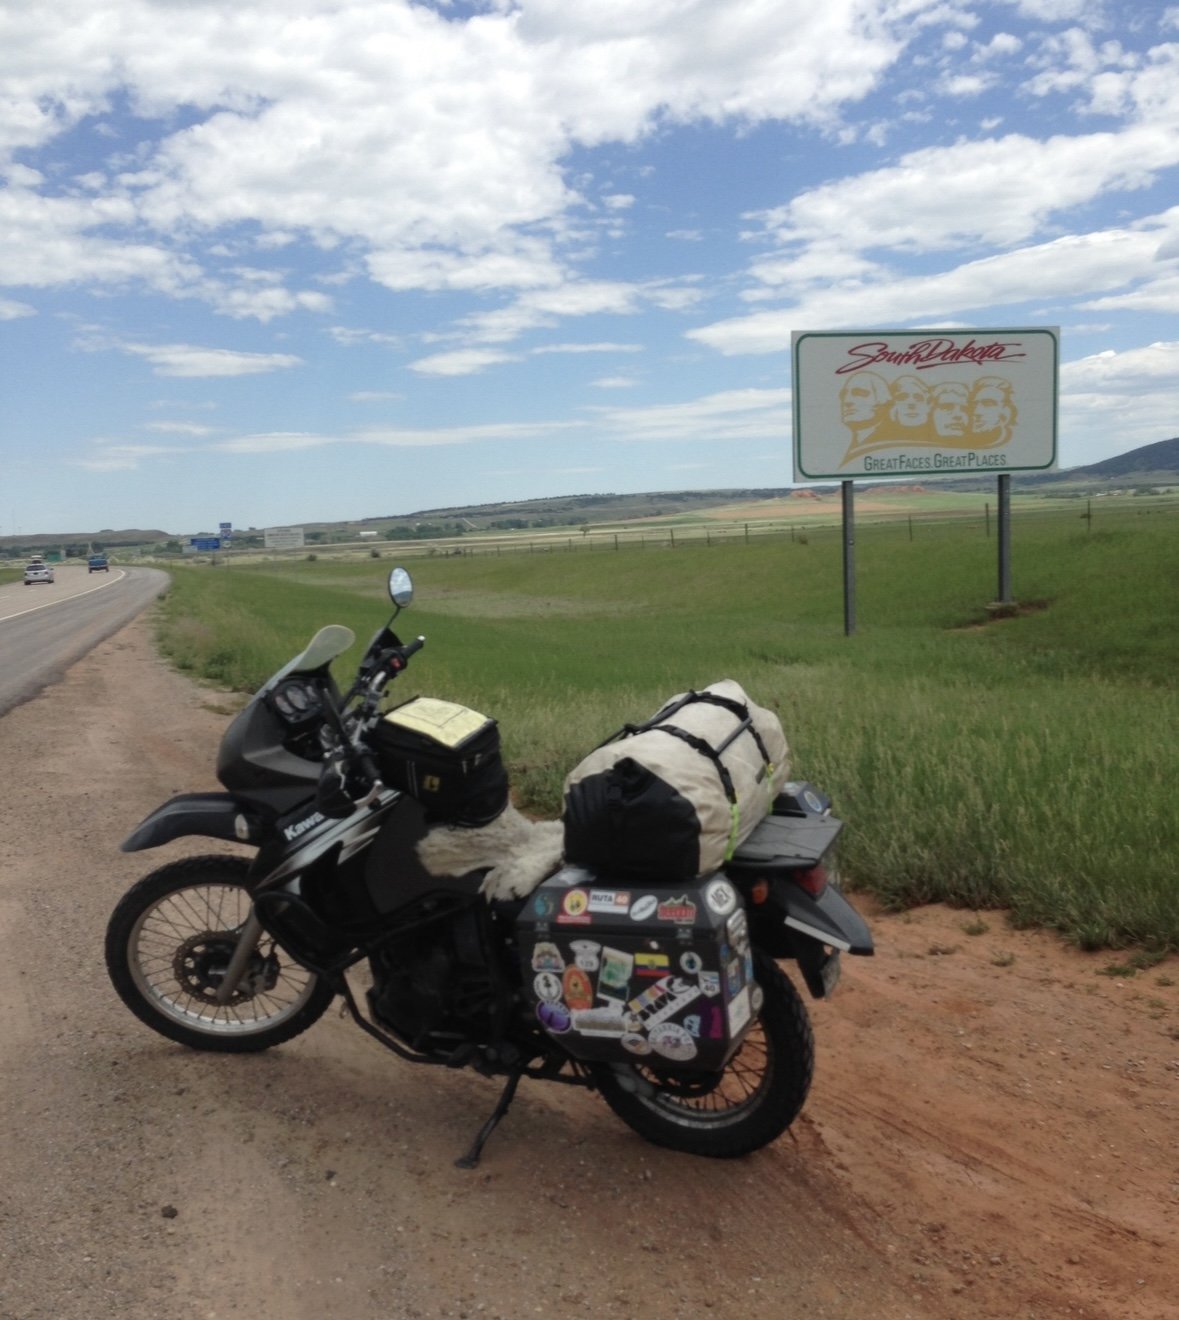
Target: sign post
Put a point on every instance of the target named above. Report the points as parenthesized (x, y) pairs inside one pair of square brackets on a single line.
[(849, 559), (1004, 596), (880, 404)]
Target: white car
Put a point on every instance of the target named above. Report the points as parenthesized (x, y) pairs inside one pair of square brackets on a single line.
[(38, 573)]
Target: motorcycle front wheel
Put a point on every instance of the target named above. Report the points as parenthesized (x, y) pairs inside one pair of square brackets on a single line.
[(756, 1098), (169, 942)]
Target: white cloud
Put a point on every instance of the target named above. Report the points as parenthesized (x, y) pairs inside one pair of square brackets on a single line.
[(393, 437), (1002, 43), (347, 337), (997, 191), (1060, 11), (180, 428), (966, 84), (1160, 295), (1067, 267), (12, 311), (460, 362), (189, 360), (728, 415), (430, 147), (1126, 371), (588, 348)]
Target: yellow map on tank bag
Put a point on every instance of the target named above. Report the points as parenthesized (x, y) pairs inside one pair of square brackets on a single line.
[(444, 722)]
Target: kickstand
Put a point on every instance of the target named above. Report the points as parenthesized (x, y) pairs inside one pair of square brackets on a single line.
[(471, 1158)]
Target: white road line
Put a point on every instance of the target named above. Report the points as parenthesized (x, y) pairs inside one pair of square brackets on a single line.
[(34, 608)]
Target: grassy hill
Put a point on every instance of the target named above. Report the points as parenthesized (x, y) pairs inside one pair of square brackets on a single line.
[(1150, 465)]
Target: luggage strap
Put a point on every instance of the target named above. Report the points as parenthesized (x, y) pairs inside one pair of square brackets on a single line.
[(737, 708)]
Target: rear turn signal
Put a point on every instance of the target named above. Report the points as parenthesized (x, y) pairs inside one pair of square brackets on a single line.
[(813, 881)]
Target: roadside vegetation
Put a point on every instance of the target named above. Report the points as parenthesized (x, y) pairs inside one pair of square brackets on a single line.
[(1026, 763)]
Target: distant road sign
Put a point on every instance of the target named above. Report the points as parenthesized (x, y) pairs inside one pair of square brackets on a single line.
[(205, 542), (283, 538)]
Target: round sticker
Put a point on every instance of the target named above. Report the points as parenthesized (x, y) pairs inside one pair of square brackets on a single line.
[(643, 908), (547, 986), (692, 963), (673, 1042), (554, 1018), (575, 903)]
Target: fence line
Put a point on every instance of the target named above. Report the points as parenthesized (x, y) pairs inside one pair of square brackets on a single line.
[(1090, 513), (681, 536)]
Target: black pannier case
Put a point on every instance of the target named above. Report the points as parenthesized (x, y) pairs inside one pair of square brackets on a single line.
[(445, 756), (656, 973)]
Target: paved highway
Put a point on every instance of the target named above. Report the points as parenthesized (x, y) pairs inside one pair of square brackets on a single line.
[(45, 628)]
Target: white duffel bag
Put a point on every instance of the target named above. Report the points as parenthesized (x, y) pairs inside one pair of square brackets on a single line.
[(673, 797)]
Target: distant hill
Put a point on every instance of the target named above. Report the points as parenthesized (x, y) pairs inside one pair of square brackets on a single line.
[(111, 540), (1149, 465), (1154, 465), (569, 510), (1162, 457)]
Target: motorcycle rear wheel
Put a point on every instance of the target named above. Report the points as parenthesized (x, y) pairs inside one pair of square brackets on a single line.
[(168, 942), (756, 1098)]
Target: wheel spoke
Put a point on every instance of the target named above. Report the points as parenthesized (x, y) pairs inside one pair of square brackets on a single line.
[(736, 1091), (180, 947)]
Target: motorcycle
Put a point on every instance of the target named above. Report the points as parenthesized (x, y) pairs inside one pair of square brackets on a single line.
[(666, 998)]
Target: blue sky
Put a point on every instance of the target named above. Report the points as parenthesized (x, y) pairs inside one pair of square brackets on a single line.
[(275, 261)]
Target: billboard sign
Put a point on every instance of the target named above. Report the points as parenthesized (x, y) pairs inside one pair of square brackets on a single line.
[(283, 538), (924, 403)]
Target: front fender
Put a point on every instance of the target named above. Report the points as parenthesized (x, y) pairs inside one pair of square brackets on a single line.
[(214, 815)]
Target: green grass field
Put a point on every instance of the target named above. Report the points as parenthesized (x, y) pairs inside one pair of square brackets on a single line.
[(1026, 763)]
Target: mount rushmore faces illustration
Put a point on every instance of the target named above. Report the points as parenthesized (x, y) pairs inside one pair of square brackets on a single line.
[(979, 414)]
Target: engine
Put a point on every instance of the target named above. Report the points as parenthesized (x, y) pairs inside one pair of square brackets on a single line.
[(439, 988)]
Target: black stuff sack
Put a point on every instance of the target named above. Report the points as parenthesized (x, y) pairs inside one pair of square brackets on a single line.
[(674, 797), (445, 756)]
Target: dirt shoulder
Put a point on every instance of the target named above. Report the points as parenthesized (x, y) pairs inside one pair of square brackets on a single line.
[(991, 1132)]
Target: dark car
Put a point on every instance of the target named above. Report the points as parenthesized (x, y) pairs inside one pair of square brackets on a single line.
[(99, 564)]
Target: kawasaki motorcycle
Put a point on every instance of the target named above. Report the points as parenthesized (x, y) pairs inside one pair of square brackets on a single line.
[(664, 994)]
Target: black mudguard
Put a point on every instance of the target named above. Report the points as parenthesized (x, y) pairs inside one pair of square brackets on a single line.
[(214, 815), (813, 931), (829, 919)]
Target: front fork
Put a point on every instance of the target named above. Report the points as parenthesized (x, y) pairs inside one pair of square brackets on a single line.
[(247, 941)]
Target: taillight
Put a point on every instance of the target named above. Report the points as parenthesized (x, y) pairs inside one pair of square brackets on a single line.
[(814, 881)]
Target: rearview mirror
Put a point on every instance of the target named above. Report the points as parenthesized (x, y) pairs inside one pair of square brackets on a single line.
[(400, 587)]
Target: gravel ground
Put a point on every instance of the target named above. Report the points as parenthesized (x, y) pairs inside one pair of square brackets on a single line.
[(991, 1131)]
